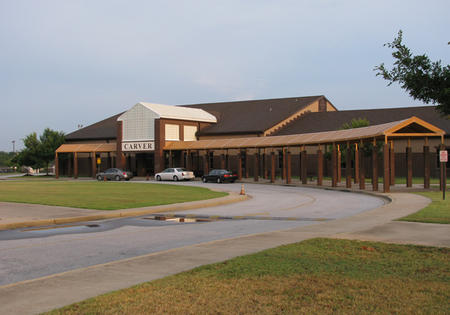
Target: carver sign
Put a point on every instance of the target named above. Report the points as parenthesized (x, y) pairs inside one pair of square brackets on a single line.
[(138, 146)]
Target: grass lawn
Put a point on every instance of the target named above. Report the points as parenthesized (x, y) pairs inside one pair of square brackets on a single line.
[(437, 212), (100, 195), (318, 276)]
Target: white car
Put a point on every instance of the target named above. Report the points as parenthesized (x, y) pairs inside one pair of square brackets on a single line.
[(175, 173)]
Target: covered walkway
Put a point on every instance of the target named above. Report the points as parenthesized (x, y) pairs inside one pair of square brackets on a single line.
[(350, 143)]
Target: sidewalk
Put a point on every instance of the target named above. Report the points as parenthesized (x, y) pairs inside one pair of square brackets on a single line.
[(58, 290)]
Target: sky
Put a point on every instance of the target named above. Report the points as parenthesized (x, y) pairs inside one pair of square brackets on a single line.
[(76, 62)]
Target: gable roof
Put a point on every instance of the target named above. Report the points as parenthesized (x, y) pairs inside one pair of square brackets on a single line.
[(176, 112), (255, 116), (328, 121), (103, 130)]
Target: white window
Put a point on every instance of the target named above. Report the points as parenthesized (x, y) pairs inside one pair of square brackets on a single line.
[(189, 133), (172, 132)]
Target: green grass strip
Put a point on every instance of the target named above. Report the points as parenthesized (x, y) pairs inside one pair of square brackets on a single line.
[(436, 212), (100, 195), (317, 276)]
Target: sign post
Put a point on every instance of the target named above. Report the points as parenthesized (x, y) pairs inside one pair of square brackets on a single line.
[(443, 158)]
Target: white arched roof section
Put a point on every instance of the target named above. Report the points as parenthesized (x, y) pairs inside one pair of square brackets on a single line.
[(181, 113), (139, 121)]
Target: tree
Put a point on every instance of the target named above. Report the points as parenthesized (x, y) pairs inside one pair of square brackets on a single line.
[(423, 79), (39, 152), (356, 123)]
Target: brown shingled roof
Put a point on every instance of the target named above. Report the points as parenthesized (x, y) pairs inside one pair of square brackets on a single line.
[(256, 116), (102, 130), (328, 121)]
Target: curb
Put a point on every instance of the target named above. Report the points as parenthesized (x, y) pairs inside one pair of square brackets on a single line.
[(231, 198)]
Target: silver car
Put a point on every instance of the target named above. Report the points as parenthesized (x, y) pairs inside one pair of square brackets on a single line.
[(175, 173), (114, 174)]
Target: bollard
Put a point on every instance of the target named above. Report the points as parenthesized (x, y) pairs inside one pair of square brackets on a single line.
[(242, 190)]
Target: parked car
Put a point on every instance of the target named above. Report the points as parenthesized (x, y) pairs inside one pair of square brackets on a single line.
[(219, 176), (175, 173), (114, 174)]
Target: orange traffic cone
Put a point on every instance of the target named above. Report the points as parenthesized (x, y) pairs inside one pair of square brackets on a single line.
[(242, 190)]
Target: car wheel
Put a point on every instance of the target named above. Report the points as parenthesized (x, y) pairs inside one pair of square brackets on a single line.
[(117, 178), (175, 178), (219, 181), (99, 178), (204, 179), (158, 178)]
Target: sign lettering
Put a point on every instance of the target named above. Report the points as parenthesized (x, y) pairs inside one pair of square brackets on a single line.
[(138, 146)]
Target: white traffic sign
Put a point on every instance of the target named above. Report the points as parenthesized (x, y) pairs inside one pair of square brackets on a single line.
[(443, 156)]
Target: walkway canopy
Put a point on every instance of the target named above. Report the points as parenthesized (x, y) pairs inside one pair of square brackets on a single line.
[(411, 127), (85, 148)]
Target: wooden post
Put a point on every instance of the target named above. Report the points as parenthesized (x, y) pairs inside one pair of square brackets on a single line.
[(319, 166), (362, 177), (348, 168), (256, 167), (374, 166), (56, 166), (246, 164), (240, 165), (338, 164), (386, 173), (304, 170), (356, 164), (93, 165), (443, 169), (265, 160), (272, 167), (288, 167), (426, 165), (283, 170), (227, 158), (206, 163), (333, 165), (222, 161), (392, 164), (409, 165), (75, 165)]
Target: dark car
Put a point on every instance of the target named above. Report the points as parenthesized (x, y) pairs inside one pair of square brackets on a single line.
[(114, 174), (219, 176)]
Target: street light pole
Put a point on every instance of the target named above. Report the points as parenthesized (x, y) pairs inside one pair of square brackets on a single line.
[(14, 146)]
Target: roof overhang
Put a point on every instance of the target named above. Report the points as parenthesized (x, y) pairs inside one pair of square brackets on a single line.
[(409, 128), (89, 147)]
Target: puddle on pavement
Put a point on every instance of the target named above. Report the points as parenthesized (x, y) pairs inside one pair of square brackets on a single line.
[(178, 219)]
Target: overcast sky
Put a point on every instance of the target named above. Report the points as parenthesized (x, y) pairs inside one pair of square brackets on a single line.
[(64, 63)]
